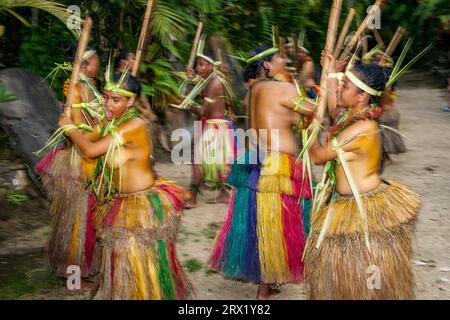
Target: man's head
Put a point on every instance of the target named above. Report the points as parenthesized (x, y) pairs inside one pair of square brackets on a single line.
[(124, 60), (204, 66), (90, 66)]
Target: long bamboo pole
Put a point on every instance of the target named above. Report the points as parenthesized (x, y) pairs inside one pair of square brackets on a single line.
[(329, 47), (344, 32), (142, 37), (365, 45), (82, 45), (361, 29), (377, 35), (198, 34), (395, 40)]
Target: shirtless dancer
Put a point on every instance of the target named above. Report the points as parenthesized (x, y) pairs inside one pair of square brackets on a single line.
[(268, 185), (216, 144)]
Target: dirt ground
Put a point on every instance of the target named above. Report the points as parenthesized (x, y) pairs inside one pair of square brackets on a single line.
[(24, 228)]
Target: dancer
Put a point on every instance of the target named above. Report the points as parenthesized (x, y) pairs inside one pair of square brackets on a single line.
[(215, 143), (137, 216), (263, 237), (362, 225), (65, 176)]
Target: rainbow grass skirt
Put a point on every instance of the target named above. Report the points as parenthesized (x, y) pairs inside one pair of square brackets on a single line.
[(137, 239), (263, 236)]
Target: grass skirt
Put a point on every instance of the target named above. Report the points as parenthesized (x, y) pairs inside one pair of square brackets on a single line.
[(392, 141), (72, 235), (262, 239), (137, 238), (217, 150), (341, 267)]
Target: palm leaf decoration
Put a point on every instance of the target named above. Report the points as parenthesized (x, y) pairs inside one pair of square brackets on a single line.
[(167, 23), (56, 9)]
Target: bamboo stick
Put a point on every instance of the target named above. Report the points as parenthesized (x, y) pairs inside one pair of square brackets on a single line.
[(344, 32), (365, 45), (377, 36), (361, 30), (142, 37), (191, 61), (82, 45), (281, 44), (329, 47), (395, 40)]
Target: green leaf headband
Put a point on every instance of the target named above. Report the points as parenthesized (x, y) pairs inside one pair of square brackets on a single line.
[(200, 49), (301, 40), (116, 87), (260, 55), (88, 53)]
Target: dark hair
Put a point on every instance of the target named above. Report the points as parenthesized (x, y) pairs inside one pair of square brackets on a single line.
[(252, 70), (70, 51), (209, 54), (374, 76), (120, 54), (130, 83)]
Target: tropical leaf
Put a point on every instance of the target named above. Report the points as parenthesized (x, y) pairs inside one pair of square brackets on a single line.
[(54, 8), (6, 96), (167, 22)]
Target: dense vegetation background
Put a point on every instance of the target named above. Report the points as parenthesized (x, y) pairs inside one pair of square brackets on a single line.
[(33, 39)]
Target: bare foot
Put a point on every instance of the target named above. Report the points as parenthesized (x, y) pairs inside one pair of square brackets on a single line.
[(163, 141), (192, 201), (266, 292), (222, 198), (87, 285), (190, 204)]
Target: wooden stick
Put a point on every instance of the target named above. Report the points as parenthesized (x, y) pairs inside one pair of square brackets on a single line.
[(281, 44), (198, 34), (329, 47), (377, 35), (82, 45), (344, 32), (142, 37), (361, 30), (365, 45), (395, 40)]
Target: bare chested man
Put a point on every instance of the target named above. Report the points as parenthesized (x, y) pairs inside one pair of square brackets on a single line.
[(216, 142), (262, 239)]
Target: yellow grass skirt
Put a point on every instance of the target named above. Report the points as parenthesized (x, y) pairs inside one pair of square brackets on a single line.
[(343, 268)]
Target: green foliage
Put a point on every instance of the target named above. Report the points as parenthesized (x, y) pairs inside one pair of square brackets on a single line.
[(41, 48), (21, 283), (244, 24), (193, 265), (15, 198), (6, 96)]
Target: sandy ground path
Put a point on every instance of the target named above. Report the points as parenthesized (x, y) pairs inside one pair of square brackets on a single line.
[(424, 167)]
